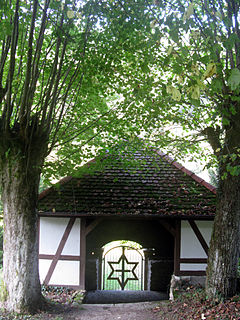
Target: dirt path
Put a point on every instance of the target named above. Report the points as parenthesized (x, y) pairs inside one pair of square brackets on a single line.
[(125, 311)]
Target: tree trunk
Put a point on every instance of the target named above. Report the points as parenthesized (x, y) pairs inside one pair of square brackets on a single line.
[(224, 245), (20, 180)]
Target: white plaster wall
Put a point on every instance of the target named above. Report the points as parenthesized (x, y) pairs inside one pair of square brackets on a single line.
[(206, 229), (190, 245), (193, 266), (72, 246), (66, 273), (43, 268), (51, 232)]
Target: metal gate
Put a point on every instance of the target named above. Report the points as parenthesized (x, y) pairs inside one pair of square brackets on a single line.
[(122, 269)]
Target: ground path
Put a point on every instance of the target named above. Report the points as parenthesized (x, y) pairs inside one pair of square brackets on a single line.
[(123, 311)]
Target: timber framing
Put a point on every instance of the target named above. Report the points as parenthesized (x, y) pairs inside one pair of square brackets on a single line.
[(168, 227), (157, 190), (92, 225), (84, 231), (199, 235), (59, 250), (58, 255), (86, 227), (177, 251), (177, 248)]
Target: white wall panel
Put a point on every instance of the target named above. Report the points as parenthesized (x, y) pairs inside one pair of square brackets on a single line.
[(43, 268), (206, 229), (72, 246), (51, 232), (190, 245), (193, 266), (66, 273)]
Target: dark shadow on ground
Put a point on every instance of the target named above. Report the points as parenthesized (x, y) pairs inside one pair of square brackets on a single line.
[(110, 296)]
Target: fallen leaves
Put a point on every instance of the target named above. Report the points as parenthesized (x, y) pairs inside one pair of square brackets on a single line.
[(193, 304)]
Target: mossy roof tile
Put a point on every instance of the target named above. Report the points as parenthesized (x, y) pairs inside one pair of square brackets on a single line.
[(155, 185)]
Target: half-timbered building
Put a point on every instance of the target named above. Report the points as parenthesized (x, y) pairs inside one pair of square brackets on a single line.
[(148, 199)]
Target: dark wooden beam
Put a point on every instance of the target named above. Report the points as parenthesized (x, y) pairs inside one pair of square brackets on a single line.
[(146, 272), (92, 225), (192, 273), (168, 227), (62, 257), (199, 235), (59, 250), (177, 247), (193, 260)]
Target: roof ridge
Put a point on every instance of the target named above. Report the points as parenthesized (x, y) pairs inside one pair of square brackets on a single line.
[(62, 181), (195, 177)]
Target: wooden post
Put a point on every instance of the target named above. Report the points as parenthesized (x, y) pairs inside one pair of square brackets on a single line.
[(177, 247), (146, 271)]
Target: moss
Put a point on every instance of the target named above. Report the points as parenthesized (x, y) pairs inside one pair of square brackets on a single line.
[(3, 292)]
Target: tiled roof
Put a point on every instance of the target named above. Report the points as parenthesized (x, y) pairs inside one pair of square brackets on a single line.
[(151, 185)]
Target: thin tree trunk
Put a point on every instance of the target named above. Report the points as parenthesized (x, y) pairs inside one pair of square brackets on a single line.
[(20, 182), (224, 246)]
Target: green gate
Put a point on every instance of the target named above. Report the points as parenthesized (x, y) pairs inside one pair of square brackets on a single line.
[(122, 269)]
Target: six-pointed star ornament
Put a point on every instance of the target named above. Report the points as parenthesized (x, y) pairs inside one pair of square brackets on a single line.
[(123, 269)]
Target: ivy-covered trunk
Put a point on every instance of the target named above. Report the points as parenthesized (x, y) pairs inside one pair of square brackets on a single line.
[(224, 246), (20, 172)]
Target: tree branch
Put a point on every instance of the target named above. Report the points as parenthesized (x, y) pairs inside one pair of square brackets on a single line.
[(26, 103), (8, 108), (213, 138), (4, 55)]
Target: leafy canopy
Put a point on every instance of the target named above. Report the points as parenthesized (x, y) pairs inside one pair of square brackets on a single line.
[(197, 81), (73, 74)]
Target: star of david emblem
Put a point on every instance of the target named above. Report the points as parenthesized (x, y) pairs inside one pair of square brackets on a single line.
[(127, 270)]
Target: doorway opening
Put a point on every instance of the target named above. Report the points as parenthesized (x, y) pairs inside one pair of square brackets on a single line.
[(123, 266)]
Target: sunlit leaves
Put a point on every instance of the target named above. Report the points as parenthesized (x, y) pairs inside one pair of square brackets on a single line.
[(188, 12), (170, 49), (194, 92), (234, 79), (175, 93), (70, 14), (210, 71)]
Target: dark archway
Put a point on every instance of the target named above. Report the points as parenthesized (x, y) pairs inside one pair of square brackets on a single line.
[(156, 241)]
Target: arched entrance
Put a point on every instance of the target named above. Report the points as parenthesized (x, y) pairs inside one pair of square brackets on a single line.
[(122, 266), (157, 248)]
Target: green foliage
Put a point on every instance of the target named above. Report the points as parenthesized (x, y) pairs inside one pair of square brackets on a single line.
[(234, 79), (197, 83), (98, 57), (78, 78), (42, 185), (78, 297)]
